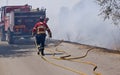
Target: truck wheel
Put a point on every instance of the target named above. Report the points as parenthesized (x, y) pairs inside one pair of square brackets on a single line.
[(3, 36), (10, 38)]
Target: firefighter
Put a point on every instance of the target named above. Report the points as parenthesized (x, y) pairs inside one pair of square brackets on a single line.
[(39, 31)]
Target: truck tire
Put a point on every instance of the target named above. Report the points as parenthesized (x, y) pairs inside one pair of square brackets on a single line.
[(10, 37), (3, 36)]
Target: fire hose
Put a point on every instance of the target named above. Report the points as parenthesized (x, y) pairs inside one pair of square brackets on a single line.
[(71, 59)]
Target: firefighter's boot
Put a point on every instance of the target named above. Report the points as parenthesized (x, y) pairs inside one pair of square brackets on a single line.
[(38, 52), (42, 52)]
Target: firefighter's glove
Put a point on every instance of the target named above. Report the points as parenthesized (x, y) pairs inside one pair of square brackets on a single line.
[(50, 35)]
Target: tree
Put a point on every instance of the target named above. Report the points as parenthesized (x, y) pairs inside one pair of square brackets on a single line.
[(110, 9)]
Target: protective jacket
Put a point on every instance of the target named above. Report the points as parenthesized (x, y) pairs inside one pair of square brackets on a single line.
[(41, 28)]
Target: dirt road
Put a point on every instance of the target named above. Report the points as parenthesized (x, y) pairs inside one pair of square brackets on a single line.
[(21, 59)]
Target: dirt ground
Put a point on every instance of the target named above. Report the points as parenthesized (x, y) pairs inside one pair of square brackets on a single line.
[(22, 59)]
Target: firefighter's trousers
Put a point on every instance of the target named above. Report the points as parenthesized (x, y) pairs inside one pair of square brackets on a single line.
[(40, 40)]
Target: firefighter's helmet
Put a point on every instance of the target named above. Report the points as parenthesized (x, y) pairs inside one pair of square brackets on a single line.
[(41, 18)]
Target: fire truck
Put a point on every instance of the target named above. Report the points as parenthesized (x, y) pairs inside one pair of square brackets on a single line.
[(17, 21)]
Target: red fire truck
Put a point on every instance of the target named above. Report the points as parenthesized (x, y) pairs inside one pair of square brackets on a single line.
[(18, 21)]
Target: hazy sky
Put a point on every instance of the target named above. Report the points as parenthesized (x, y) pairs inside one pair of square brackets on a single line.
[(52, 6), (49, 4)]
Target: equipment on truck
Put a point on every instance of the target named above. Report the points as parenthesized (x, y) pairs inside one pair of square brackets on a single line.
[(18, 21)]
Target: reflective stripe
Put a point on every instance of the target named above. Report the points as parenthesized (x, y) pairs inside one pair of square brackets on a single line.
[(41, 32), (40, 27)]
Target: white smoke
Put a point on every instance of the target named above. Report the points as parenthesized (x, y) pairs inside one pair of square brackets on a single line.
[(82, 24)]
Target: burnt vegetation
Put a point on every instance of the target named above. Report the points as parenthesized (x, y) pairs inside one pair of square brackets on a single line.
[(110, 9)]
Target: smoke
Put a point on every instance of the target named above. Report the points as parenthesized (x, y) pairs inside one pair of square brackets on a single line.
[(83, 25)]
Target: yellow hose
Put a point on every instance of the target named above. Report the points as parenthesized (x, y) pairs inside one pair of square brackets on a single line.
[(69, 59)]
